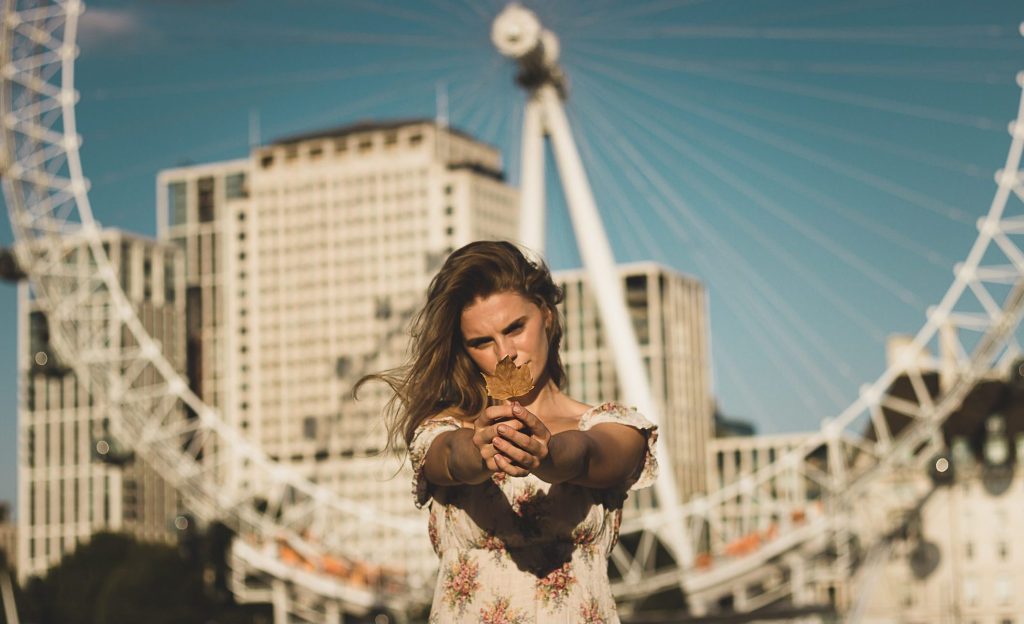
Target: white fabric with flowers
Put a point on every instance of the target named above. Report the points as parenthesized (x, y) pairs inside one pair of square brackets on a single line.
[(518, 550)]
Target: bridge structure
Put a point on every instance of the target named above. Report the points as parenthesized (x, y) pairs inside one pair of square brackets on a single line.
[(304, 548)]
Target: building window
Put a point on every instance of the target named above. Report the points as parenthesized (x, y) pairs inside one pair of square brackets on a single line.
[(971, 592), (1003, 548), (969, 550), (205, 200), (309, 428), (1002, 591), (234, 188), (169, 290), (30, 443), (177, 199), (637, 300), (908, 596)]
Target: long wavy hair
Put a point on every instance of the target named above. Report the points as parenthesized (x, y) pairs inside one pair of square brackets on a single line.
[(440, 376)]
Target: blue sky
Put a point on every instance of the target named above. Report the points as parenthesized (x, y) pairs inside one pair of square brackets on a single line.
[(819, 165)]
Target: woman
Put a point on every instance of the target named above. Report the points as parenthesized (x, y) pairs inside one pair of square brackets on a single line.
[(527, 494)]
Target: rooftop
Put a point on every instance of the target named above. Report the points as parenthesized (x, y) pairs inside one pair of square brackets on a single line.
[(366, 125)]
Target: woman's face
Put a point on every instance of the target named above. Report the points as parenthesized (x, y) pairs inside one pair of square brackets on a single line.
[(506, 323)]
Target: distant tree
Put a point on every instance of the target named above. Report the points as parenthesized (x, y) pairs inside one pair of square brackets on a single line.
[(154, 585), (115, 580), (67, 595)]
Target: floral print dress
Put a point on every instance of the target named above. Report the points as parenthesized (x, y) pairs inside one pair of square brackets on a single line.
[(518, 550)]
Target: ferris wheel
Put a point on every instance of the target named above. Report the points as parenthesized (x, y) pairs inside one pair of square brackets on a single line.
[(280, 512)]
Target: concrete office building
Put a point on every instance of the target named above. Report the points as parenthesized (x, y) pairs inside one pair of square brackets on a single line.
[(73, 480), (669, 313), (305, 262)]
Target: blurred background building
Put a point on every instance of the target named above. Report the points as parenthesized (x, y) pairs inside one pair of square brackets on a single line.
[(305, 263), (948, 557), (955, 557), (669, 313), (74, 477)]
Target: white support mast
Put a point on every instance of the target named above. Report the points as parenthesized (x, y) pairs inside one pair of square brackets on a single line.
[(518, 35), (531, 229)]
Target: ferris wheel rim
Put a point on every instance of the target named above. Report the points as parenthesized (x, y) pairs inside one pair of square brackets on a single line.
[(88, 230)]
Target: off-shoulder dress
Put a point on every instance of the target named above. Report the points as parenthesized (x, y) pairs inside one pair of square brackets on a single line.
[(518, 550)]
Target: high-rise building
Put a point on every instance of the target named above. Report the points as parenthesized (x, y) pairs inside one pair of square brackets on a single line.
[(304, 264), (73, 477), (201, 209), (669, 313)]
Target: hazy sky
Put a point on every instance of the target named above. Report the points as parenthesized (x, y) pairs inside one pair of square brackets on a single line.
[(820, 166)]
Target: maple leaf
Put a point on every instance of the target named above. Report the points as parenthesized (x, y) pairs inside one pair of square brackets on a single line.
[(508, 380)]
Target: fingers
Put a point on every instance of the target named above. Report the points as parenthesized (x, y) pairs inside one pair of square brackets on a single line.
[(508, 467), (518, 455), (523, 415), (518, 438), (495, 413), (510, 439), (483, 435)]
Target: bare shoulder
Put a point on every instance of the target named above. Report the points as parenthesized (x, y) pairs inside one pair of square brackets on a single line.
[(577, 408), (569, 415), (452, 413)]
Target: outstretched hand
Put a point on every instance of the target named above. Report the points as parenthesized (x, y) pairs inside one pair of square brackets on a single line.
[(522, 442), (485, 431)]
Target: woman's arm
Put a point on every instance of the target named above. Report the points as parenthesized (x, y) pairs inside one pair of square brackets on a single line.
[(607, 455)]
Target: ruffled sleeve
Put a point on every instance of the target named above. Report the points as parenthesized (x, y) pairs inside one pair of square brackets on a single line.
[(617, 413), (423, 437)]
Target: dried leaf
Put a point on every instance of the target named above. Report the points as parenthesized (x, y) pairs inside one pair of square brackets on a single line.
[(508, 380)]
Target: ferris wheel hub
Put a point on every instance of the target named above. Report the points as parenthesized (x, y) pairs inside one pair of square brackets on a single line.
[(516, 31), (519, 35)]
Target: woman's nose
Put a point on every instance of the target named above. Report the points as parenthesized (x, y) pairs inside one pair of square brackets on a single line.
[(505, 347)]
